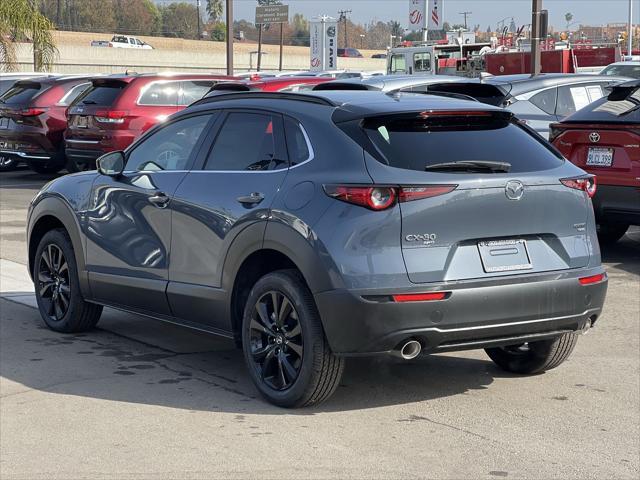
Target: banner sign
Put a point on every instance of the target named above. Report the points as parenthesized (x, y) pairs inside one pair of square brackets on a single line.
[(434, 15), (324, 44), (417, 12)]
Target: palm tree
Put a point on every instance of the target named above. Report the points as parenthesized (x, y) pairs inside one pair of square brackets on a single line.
[(21, 19), (214, 9)]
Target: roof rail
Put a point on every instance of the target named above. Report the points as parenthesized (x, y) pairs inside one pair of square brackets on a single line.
[(221, 96), (437, 93)]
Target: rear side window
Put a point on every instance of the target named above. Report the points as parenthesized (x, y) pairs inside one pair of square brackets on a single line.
[(73, 93), (101, 94), (546, 100), (21, 93), (247, 141), (296, 142), (160, 93), (193, 90), (410, 142), (575, 97)]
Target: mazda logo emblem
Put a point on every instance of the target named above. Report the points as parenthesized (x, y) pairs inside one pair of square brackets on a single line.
[(594, 137), (514, 190)]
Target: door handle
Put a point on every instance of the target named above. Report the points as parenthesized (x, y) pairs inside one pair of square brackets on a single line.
[(253, 199), (159, 199)]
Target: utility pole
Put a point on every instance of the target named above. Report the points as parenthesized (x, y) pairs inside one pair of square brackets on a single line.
[(465, 14), (198, 13), (630, 32), (229, 37), (343, 17), (536, 8)]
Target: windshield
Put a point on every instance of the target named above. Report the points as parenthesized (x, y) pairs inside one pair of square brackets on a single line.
[(631, 71)]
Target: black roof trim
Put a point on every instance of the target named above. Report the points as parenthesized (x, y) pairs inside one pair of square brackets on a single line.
[(337, 85), (222, 96)]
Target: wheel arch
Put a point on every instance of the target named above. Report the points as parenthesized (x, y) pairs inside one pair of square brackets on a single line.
[(52, 213)]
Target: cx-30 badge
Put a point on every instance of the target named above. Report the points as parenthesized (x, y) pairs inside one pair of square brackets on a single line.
[(594, 137), (514, 190)]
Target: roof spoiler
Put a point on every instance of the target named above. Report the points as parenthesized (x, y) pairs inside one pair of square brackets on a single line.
[(337, 85), (622, 91)]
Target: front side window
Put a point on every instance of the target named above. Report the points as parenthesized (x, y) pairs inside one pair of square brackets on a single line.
[(422, 62), (398, 64), (170, 147), (160, 93), (247, 142)]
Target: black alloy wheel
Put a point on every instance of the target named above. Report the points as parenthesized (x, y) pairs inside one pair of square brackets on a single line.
[(53, 282), (276, 343), (7, 163)]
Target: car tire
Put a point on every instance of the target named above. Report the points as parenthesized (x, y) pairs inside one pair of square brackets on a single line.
[(45, 168), (534, 357), (610, 233), (289, 358), (58, 294), (8, 163)]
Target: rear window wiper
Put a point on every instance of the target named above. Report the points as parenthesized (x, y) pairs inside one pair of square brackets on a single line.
[(470, 166), (89, 102)]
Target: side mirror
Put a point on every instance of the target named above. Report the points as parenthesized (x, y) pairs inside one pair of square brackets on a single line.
[(111, 164)]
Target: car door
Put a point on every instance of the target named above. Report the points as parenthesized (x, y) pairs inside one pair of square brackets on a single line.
[(231, 189), (128, 224)]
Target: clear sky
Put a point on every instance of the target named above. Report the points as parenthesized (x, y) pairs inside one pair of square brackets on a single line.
[(485, 12)]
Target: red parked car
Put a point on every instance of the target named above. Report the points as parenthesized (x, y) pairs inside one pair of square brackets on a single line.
[(272, 84), (118, 109), (604, 139), (33, 121)]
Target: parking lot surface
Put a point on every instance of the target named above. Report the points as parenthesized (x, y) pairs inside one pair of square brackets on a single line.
[(141, 399)]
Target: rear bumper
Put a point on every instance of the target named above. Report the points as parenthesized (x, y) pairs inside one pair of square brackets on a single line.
[(92, 148), (27, 144), (614, 204), (475, 315)]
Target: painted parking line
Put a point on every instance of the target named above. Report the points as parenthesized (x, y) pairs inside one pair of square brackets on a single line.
[(15, 283)]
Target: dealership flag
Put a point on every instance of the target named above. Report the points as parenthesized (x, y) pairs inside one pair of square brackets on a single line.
[(434, 15), (417, 13)]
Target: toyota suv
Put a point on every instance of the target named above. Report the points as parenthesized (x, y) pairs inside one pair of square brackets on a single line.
[(310, 228), (118, 109)]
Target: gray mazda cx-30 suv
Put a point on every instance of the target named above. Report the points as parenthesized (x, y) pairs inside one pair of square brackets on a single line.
[(314, 227)]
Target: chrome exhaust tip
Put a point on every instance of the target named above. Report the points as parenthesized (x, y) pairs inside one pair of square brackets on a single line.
[(409, 350)]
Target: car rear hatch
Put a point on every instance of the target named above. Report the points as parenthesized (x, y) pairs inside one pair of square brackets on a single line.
[(93, 114), (483, 196), (17, 106)]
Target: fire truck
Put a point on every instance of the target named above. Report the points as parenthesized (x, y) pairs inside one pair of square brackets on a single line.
[(432, 59)]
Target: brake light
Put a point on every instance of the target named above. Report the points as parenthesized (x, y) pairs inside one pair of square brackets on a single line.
[(376, 197), (455, 113), (593, 279), (110, 116), (587, 184), (420, 297), (31, 112)]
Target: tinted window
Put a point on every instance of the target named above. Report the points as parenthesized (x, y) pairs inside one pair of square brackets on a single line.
[(73, 93), (169, 148), (194, 90), (102, 94), (296, 142), (632, 71), (546, 100), (422, 62), (21, 93), (160, 93), (398, 64), (413, 143), (574, 97), (246, 141)]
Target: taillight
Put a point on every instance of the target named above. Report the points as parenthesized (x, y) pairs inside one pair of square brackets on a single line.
[(110, 116), (587, 184), (420, 297), (376, 197), (593, 279), (31, 112)]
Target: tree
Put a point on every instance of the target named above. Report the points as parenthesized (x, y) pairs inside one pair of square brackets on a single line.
[(179, 20), (568, 17), (300, 33), (95, 16), (214, 9), (138, 17), (20, 19)]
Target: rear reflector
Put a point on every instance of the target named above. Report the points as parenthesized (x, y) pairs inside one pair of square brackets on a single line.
[(409, 194), (420, 297), (588, 184), (593, 279)]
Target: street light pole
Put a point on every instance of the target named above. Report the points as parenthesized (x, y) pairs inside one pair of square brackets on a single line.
[(535, 37), (630, 32), (198, 13), (230, 37)]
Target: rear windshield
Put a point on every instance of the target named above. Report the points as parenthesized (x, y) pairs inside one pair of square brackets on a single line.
[(101, 94), (21, 93), (621, 106), (410, 142)]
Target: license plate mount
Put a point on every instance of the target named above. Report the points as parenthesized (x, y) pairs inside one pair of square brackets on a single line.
[(600, 157), (504, 255), (83, 122)]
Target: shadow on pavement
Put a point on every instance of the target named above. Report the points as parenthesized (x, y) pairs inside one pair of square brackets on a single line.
[(105, 365), (625, 254)]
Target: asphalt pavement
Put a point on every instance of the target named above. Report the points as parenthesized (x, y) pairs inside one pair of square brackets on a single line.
[(138, 399)]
